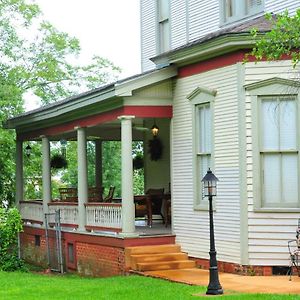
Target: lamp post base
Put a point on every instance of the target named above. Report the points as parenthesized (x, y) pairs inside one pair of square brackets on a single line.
[(214, 286), (214, 292)]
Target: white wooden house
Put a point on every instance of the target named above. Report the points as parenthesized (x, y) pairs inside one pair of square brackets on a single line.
[(239, 119)]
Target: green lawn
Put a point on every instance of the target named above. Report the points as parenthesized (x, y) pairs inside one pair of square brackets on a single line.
[(24, 286)]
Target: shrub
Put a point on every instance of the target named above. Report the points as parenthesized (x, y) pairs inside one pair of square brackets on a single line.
[(10, 226)]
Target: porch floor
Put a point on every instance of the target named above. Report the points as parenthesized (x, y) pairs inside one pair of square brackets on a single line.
[(157, 228)]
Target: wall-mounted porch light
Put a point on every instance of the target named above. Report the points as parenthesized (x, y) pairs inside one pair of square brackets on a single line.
[(154, 130), (63, 144)]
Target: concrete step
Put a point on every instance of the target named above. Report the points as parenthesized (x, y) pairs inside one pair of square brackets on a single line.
[(168, 248), (165, 265), (157, 257)]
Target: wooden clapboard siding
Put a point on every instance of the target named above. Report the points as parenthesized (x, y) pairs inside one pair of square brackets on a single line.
[(179, 23), (268, 232), (276, 6), (189, 21), (191, 226), (203, 18), (148, 33)]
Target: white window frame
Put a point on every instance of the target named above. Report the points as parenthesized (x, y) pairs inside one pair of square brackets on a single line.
[(163, 27), (240, 9), (201, 97), (273, 87), (280, 152)]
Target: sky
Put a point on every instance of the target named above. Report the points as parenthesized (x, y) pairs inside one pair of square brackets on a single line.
[(108, 28)]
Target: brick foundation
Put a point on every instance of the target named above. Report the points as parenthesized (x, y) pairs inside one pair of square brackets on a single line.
[(92, 255), (235, 268)]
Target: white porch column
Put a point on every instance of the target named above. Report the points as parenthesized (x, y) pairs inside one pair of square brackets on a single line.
[(128, 214), (19, 173), (82, 177), (98, 163), (46, 173)]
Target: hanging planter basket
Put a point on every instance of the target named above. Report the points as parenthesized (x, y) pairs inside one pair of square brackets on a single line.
[(58, 162), (155, 148), (138, 162)]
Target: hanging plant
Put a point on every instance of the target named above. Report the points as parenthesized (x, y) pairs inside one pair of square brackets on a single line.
[(138, 162), (155, 148), (58, 161)]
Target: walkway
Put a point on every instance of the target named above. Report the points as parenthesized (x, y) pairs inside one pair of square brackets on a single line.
[(245, 284)]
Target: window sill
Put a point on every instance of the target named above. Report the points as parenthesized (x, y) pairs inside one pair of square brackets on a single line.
[(277, 210)]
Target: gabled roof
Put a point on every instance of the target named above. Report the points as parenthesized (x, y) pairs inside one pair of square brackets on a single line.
[(216, 43), (93, 101)]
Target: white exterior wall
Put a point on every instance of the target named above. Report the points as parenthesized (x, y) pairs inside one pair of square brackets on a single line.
[(190, 226), (203, 18), (278, 6), (148, 33), (268, 232), (179, 25), (190, 20)]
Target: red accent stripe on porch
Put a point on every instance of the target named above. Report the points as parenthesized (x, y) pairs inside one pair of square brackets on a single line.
[(137, 111)]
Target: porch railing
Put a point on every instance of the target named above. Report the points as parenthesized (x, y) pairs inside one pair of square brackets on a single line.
[(99, 216), (32, 211), (68, 213), (106, 216)]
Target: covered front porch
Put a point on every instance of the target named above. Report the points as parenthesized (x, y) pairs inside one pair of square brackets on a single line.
[(124, 112)]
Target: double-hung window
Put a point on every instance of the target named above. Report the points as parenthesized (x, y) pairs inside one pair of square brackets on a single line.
[(279, 157), (233, 10), (163, 15), (203, 120)]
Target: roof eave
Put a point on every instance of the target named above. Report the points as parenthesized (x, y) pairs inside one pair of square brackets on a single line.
[(208, 49), (83, 101)]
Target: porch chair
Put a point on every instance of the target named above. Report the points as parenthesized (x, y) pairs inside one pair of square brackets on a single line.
[(294, 251), (68, 194), (110, 194), (95, 194), (154, 203)]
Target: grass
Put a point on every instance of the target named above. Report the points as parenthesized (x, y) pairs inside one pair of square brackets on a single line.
[(35, 286)]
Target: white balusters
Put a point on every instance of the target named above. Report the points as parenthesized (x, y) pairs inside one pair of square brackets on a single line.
[(68, 213), (32, 211), (104, 215)]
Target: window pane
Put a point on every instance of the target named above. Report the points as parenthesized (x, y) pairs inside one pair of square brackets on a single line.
[(289, 178), (204, 129), (253, 4), (288, 125), (270, 124), (229, 9), (271, 178), (163, 7), (204, 162)]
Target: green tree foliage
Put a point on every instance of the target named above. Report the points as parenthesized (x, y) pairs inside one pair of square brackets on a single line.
[(37, 60), (282, 39), (10, 226)]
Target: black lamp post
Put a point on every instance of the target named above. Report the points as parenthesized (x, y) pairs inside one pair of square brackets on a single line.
[(210, 190)]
